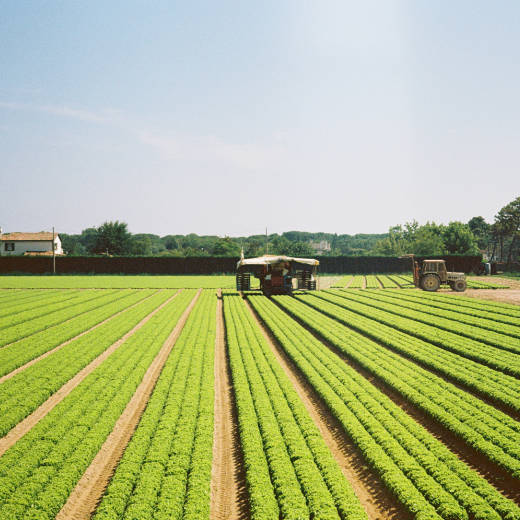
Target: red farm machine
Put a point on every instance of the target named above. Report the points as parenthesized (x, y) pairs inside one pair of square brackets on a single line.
[(277, 274)]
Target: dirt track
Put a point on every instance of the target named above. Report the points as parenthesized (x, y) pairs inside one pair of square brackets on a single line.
[(377, 501), (229, 498), (31, 420), (85, 497)]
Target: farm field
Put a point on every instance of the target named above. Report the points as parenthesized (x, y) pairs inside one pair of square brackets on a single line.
[(403, 280), (192, 401)]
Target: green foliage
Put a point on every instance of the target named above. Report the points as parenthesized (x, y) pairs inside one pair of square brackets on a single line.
[(306, 481), (481, 230), (118, 282), (459, 239), (488, 430), (52, 457), (113, 238), (165, 471), (24, 392), (428, 240), (420, 471)]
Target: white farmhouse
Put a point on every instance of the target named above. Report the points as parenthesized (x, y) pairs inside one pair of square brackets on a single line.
[(29, 243)]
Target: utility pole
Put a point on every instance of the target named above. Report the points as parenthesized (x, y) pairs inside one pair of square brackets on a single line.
[(266, 242), (53, 253)]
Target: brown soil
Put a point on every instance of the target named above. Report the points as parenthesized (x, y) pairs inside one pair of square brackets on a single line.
[(85, 497), (493, 473), (377, 501), (31, 420), (229, 496), (496, 295), (349, 283), (325, 282), (49, 352)]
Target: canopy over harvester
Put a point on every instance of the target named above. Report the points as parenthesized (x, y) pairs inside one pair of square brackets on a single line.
[(277, 274)]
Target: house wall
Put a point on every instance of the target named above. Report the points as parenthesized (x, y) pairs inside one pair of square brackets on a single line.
[(21, 246)]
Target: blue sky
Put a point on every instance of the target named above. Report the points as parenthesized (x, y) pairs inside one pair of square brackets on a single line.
[(227, 117)]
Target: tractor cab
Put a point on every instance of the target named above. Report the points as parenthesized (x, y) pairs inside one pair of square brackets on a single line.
[(430, 274)]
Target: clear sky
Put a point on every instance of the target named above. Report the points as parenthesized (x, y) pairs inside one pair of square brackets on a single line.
[(226, 117)]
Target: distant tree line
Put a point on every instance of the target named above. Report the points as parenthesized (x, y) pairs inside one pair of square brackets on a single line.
[(500, 240)]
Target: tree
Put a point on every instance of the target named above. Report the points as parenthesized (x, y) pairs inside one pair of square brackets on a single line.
[(459, 239), (113, 238), (482, 231), (508, 219)]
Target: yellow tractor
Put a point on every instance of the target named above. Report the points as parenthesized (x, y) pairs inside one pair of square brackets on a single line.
[(432, 273)]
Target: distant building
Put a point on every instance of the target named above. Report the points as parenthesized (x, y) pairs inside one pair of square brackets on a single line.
[(29, 244), (320, 247)]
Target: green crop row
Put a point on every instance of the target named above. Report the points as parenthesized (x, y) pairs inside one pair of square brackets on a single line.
[(387, 282), (307, 481), (505, 361), (435, 313), (453, 324), (485, 428), (464, 301), (40, 471), (89, 300), (497, 386), (430, 304), (428, 479), (119, 282), (15, 296), (48, 308), (372, 282), (343, 281), (25, 300), (165, 471), (24, 392), (477, 284), (358, 282), (26, 349)]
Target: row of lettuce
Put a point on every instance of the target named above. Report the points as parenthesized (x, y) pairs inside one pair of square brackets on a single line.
[(165, 471), (428, 479), (396, 281), (39, 472)]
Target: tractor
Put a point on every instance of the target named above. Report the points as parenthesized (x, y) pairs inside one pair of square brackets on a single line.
[(432, 273), (277, 274)]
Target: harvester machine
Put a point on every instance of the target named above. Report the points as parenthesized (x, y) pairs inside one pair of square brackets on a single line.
[(277, 274)]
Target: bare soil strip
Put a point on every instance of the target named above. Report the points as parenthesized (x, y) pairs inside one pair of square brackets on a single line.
[(49, 352), (31, 420), (85, 497), (377, 501), (349, 283), (229, 496), (493, 473)]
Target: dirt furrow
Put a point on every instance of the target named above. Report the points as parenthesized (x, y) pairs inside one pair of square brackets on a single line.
[(31, 420), (229, 498), (85, 497), (64, 344), (493, 473), (377, 501)]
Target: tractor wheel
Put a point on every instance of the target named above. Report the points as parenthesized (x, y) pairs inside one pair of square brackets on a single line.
[(459, 285), (430, 282)]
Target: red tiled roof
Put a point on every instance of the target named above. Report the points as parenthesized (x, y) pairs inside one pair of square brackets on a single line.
[(13, 237)]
